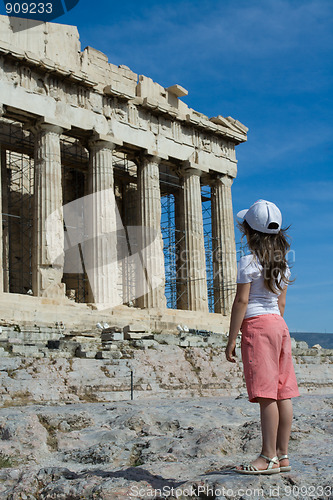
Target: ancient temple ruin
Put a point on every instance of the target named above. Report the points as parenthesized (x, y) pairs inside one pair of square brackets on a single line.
[(104, 172)]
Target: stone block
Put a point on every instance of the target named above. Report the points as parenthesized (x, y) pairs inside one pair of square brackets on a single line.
[(3, 353), (56, 354), (68, 346), (136, 327), (169, 339), (87, 333), (15, 341), (32, 336), (91, 354), (137, 335), (27, 351), (113, 329), (177, 90), (108, 346), (112, 336), (30, 329), (83, 339), (108, 354), (144, 344)]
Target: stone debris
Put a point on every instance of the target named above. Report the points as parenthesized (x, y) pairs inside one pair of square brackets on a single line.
[(78, 366), (136, 332), (108, 336)]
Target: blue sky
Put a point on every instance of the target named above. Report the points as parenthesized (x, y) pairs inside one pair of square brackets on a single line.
[(267, 63)]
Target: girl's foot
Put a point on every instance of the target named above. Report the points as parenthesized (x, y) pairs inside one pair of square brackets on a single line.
[(284, 463), (261, 464)]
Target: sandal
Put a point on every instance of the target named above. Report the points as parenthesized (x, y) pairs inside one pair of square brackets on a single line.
[(252, 469), (286, 468)]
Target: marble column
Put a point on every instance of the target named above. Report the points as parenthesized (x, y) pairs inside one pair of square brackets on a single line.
[(224, 248), (195, 244), (5, 221), (4, 234), (149, 200), (3, 191), (100, 249), (48, 232)]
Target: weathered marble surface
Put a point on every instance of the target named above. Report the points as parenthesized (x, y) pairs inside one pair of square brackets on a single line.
[(129, 449), (73, 374)]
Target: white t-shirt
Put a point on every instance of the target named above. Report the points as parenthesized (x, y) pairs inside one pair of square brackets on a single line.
[(261, 300)]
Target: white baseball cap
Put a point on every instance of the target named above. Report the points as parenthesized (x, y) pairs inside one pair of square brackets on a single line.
[(263, 216)]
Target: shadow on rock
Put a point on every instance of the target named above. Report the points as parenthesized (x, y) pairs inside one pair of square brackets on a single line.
[(131, 474)]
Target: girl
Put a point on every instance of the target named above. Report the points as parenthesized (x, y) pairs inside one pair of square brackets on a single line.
[(257, 311)]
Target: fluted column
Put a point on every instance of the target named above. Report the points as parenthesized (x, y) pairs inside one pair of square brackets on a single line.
[(5, 231), (195, 244), (149, 198), (48, 233), (3, 190), (4, 271), (224, 248), (100, 251)]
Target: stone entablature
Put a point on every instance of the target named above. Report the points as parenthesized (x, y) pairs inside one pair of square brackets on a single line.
[(82, 90)]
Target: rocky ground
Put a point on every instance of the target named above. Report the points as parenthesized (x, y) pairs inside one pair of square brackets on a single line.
[(159, 448)]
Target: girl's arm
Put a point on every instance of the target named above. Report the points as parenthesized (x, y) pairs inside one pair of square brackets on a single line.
[(237, 315), (282, 300)]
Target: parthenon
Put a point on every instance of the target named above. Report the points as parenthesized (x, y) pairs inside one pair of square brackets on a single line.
[(90, 154)]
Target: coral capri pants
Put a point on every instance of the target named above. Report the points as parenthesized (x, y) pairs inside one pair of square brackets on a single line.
[(266, 354)]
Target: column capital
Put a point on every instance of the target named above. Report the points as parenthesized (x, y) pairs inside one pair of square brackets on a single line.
[(102, 141), (98, 144), (224, 179), (40, 126), (189, 169), (144, 158)]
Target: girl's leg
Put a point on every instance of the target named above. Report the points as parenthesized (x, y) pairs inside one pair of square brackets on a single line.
[(269, 416), (285, 409)]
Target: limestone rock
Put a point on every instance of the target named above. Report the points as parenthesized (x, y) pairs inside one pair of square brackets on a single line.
[(130, 449)]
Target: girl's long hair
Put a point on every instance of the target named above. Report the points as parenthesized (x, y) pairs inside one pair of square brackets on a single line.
[(271, 251)]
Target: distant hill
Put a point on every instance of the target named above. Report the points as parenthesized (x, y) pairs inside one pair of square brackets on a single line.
[(324, 339)]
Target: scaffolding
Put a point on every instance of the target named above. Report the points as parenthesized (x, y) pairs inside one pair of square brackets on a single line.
[(169, 233), (206, 202), (74, 159), (17, 222)]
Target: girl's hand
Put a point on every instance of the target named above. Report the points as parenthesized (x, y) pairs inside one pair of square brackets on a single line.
[(230, 352)]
